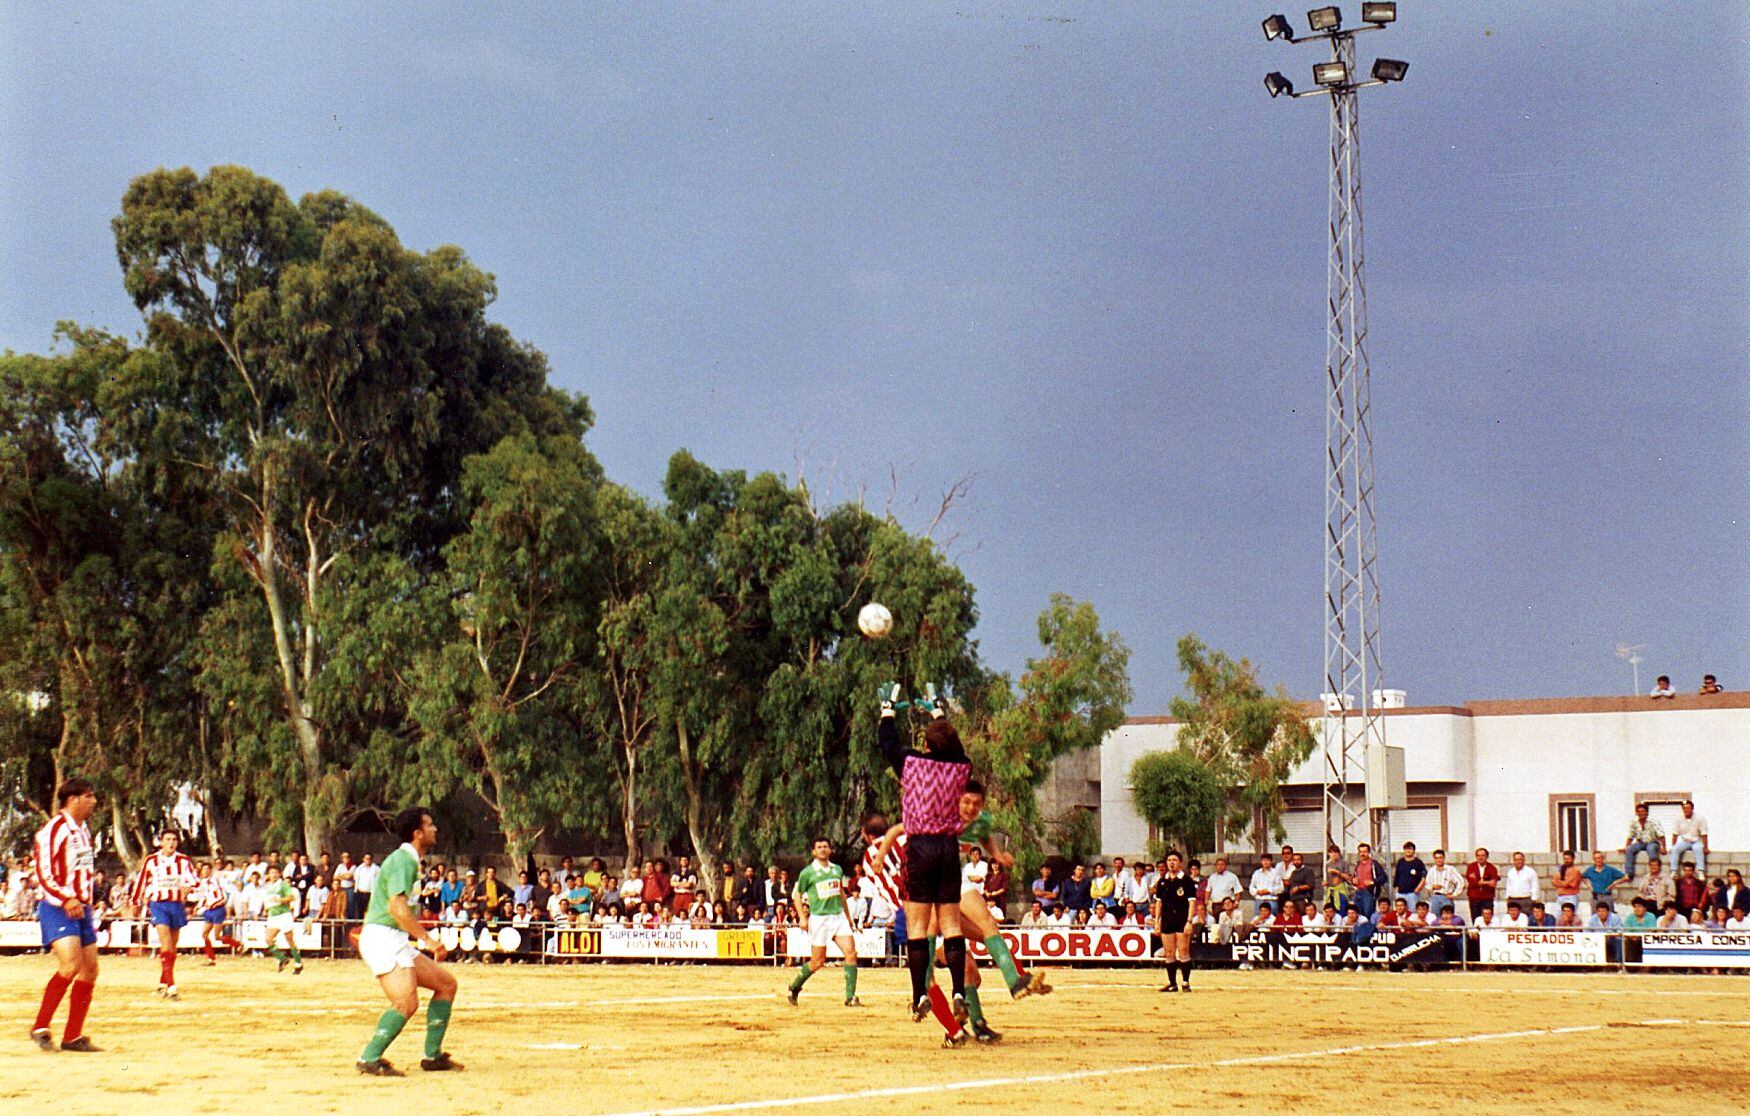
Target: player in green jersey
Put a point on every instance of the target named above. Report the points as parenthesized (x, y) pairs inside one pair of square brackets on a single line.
[(386, 944), (281, 898), (819, 896)]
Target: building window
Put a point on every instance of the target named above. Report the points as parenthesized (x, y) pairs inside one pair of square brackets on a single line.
[(1573, 823)]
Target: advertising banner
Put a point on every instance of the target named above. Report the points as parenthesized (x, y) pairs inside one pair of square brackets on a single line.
[(1272, 948), (1699, 949), (870, 943), (677, 942), (1038, 944), (575, 942), (1540, 947)]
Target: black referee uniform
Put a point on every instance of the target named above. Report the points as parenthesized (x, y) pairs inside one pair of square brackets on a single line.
[(1175, 895)]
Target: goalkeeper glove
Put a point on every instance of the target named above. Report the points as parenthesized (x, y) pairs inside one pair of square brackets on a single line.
[(930, 703), (890, 699)]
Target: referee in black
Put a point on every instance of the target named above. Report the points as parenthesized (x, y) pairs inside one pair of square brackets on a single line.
[(1175, 893)]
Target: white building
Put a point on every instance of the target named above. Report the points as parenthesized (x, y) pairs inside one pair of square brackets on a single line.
[(1536, 776)]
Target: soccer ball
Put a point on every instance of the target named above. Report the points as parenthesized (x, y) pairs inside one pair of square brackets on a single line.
[(875, 620)]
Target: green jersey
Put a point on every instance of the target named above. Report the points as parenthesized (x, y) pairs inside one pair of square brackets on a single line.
[(977, 831), (399, 876), (822, 888), (280, 897)]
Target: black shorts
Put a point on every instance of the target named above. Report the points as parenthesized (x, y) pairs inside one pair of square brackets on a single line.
[(932, 868)]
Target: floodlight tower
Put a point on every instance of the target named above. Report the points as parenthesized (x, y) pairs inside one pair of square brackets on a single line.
[(1352, 730)]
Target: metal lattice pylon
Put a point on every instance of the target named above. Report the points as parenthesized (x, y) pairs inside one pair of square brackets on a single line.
[(1352, 659)]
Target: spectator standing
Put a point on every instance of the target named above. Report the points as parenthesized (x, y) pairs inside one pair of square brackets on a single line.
[(521, 893), (996, 886), (1409, 876), (775, 896), (657, 888), (1077, 893), (364, 883), (1644, 836), (342, 882), (1690, 888), (1567, 883), (1266, 884), (1299, 881), (1223, 885), (685, 883), (1369, 879), (1602, 878), (1045, 889), (1481, 879), (751, 893), (1339, 879), (1103, 888), (1656, 888), (1147, 878), (1662, 688), (1521, 883), (1689, 835), (301, 873), (1734, 895)]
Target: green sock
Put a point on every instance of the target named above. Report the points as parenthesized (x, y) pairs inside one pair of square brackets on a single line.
[(297, 958), (999, 951), (803, 972), (437, 1021), (273, 951), (973, 1010), (850, 981), (388, 1026)]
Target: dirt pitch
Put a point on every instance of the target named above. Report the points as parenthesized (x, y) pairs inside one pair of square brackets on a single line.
[(588, 1039)]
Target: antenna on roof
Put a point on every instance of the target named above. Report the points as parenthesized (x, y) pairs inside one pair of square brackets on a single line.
[(1633, 655)]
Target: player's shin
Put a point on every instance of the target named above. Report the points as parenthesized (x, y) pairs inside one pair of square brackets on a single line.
[(954, 953), (389, 1025), (917, 959), (437, 1021), (78, 1003), (850, 981), (973, 1009), (167, 966), (57, 988), (803, 972), (999, 952)]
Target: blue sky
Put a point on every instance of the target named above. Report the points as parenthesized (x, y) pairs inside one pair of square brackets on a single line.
[(1073, 250)]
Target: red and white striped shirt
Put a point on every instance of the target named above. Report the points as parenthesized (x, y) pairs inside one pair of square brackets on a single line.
[(164, 879), (64, 859), (207, 894), (889, 874)]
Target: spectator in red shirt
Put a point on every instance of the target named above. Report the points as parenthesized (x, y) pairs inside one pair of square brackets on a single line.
[(1481, 879), (657, 888), (1691, 889)]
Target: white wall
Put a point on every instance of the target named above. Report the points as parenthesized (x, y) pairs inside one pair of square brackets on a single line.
[(1501, 768)]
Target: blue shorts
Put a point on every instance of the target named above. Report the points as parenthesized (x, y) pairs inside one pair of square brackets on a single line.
[(215, 916), (57, 925), (168, 912)]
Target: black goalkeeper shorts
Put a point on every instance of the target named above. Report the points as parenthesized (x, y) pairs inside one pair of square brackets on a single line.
[(932, 868)]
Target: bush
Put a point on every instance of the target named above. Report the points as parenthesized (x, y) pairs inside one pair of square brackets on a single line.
[(1179, 795)]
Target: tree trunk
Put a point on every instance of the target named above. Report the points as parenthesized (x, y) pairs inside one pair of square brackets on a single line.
[(629, 806), (702, 847), (518, 844), (118, 827), (316, 830)]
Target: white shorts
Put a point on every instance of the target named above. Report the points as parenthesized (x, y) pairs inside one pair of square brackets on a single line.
[(822, 929), (276, 923), (385, 949)]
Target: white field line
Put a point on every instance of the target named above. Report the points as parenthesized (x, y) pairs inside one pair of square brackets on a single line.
[(1159, 1067)]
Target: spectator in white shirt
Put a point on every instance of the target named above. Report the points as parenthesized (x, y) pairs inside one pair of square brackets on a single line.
[(1266, 885), (1662, 688), (1102, 916), (1515, 916), (1445, 885), (1035, 916), (1223, 885), (1691, 836), (1521, 883)]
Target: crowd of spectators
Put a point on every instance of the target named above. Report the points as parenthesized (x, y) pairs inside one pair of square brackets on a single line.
[(1359, 892)]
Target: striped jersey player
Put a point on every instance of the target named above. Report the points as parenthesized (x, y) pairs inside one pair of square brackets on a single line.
[(209, 901), (887, 871), (163, 886), (64, 856)]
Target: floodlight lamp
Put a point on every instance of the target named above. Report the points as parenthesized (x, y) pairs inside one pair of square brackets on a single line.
[(1378, 14), (1277, 84), (1325, 19), (1389, 69), (1331, 73), (1278, 27)]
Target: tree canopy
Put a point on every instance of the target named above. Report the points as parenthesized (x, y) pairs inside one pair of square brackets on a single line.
[(323, 540)]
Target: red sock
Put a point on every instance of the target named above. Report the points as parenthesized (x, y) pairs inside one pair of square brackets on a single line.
[(207, 948), (944, 1014), (77, 1005), (167, 967), (57, 988)]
